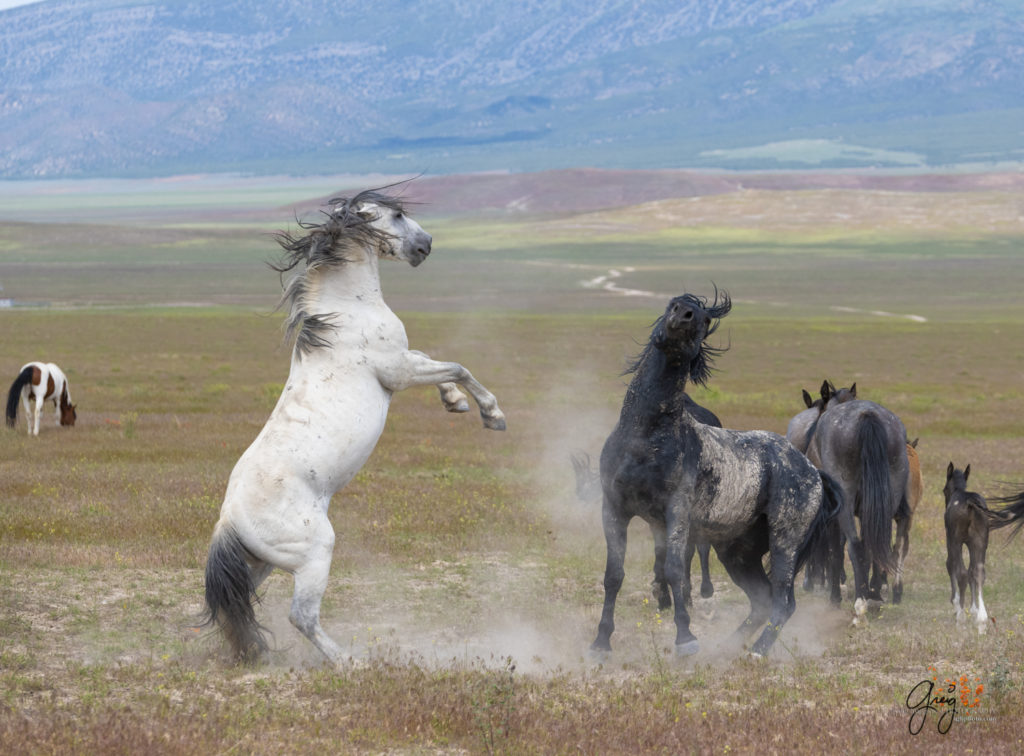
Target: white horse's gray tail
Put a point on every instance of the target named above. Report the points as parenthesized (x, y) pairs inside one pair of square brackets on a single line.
[(24, 377), (231, 596)]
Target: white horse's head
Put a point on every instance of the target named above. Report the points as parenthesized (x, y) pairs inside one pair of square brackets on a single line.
[(402, 238)]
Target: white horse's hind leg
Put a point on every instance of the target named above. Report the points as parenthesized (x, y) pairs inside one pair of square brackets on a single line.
[(310, 585)]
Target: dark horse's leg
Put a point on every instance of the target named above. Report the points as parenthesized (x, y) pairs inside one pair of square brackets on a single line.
[(742, 560), (615, 525), (659, 586), (677, 574), (707, 590)]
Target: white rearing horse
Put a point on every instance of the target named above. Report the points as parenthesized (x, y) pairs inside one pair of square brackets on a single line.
[(40, 381), (351, 354)]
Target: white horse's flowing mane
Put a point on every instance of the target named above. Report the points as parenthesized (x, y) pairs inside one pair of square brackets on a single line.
[(322, 246)]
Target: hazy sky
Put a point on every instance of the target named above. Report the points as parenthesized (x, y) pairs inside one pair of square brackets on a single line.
[(4, 4)]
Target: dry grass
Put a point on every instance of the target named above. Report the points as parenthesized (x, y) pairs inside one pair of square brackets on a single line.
[(467, 579)]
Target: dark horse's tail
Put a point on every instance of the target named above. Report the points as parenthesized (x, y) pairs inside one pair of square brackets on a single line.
[(231, 596), (816, 542), (24, 377), (1012, 513), (876, 493)]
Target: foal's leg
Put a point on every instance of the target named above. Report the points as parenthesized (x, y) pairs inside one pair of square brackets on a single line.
[(902, 549), (411, 368), (957, 574), (976, 548)]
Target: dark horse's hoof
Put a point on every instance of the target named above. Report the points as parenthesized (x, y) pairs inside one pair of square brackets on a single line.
[(707, 590), (597, 655), (689, 648)]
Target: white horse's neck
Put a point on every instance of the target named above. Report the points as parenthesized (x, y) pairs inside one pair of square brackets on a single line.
[(354, 283)]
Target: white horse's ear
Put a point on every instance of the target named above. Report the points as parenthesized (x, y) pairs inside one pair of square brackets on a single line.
[(366, 210)]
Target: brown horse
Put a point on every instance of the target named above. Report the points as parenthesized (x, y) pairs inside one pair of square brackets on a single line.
[(915, 491)]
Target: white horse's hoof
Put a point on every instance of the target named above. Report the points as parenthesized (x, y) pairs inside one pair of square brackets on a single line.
[(982, 628), (460, 406), (496, 422), (860, 607), (687, 649)]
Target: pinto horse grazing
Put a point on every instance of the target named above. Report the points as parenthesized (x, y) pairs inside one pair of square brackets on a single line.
[(351, 355), (967, 524), (40, 381), (588, 487), (747, 494)]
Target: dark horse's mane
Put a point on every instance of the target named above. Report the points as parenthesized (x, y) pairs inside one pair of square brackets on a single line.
[(702, 365), (323, 245)]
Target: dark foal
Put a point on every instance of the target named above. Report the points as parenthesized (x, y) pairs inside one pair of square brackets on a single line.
[(967, 524)]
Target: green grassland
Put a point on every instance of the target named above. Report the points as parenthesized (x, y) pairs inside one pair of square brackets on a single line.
[(467, 577)]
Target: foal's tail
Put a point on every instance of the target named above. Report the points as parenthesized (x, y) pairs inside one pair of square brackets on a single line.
[(816, 543), (231, 596), (24, 377), (876, 493)]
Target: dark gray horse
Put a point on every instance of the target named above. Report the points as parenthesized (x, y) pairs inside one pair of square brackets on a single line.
[(588, 488), (801, 426), (863, 446), (747, 494), (799, 432)]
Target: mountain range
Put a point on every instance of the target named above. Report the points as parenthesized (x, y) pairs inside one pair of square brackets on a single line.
[(124, 88)]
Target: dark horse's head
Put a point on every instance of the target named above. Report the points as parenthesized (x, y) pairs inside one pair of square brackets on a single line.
[(680, 334)]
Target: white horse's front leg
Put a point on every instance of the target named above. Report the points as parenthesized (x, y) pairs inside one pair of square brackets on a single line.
[(411, 368)]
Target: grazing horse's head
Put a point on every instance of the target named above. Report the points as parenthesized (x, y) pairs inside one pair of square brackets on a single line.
[(68, 415), (681, 332)]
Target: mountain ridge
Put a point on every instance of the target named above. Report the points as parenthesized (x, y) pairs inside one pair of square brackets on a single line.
[(123, 88)]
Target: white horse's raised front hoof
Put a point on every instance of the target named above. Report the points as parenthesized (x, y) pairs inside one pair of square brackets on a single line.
[(460, 406), (494, 422), (687, 649)]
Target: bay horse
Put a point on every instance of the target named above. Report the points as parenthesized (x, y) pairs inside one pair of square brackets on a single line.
[(967, 520), (746, 493), (862, 445), (588, 487), (915, 492), (40, 381), (350, 355)]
